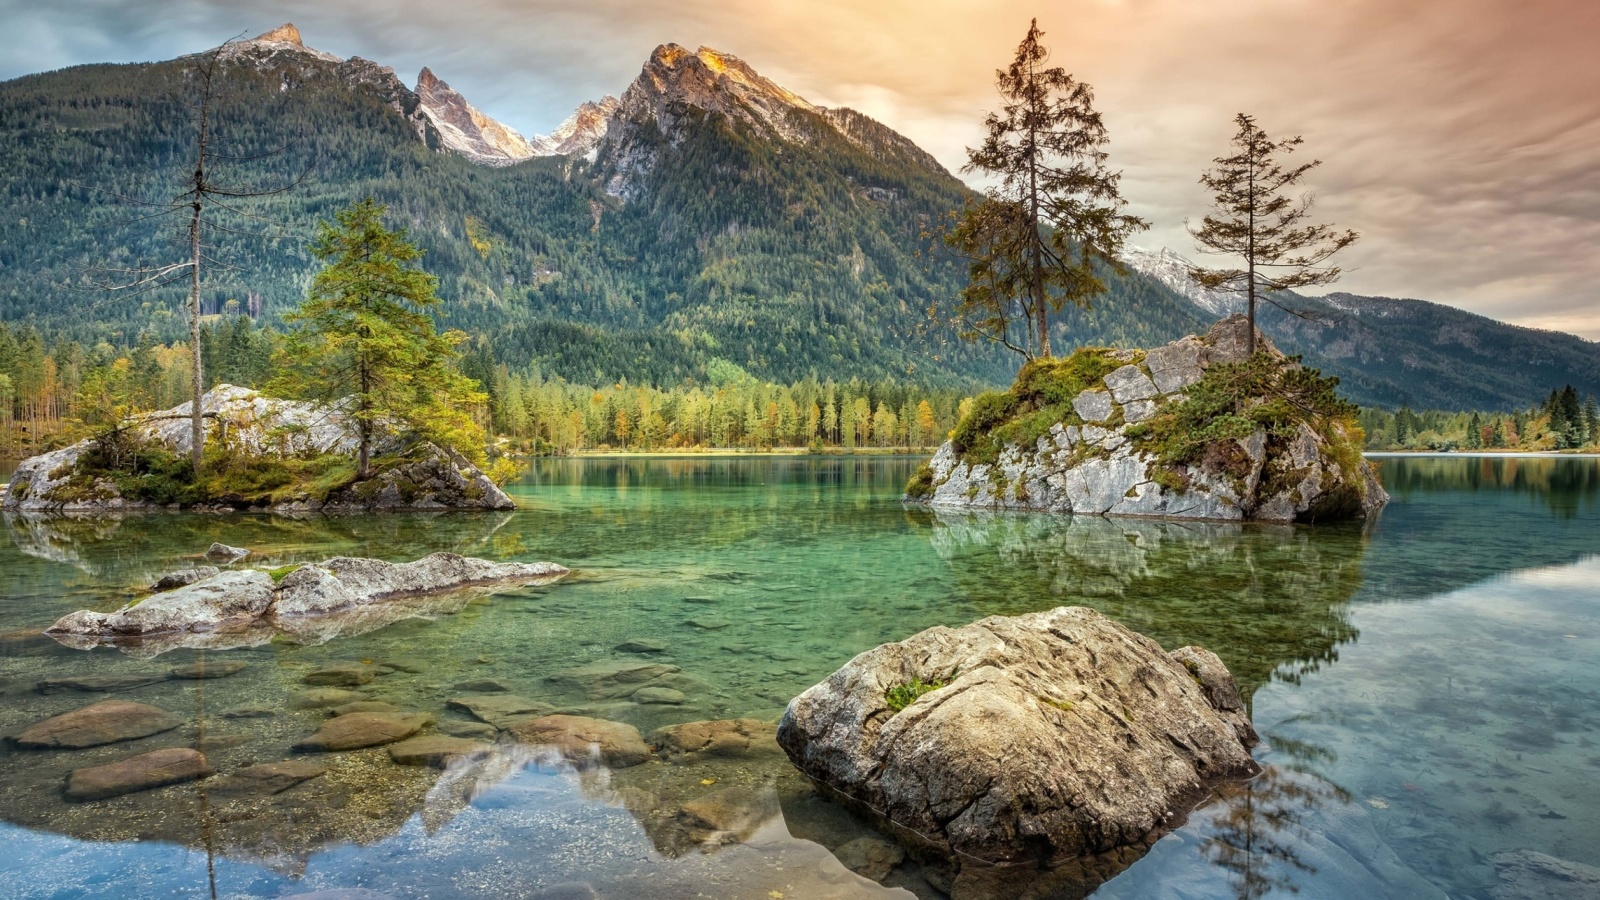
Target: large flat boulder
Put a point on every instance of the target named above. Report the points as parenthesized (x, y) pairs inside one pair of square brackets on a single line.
[(157, 768), (345, 581), (106, 722), (223, 602), (360, 730), (1032, 739)]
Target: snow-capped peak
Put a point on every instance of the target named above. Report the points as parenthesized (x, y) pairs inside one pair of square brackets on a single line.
[(467, 131), (1172, 269)]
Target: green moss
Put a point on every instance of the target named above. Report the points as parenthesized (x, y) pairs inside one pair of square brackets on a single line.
[(1040, 398), (903, 695), (920, 486), (1063, 705), (282, 572)]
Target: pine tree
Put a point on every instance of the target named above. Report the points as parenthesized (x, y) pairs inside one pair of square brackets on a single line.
[(365, 333), (1253, 220), (1054, 223)]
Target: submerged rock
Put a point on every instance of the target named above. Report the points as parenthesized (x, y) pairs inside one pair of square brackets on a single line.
[(1530, 875), (244, 601), (1034, 739), (584, 741), (99, 683), (208, 669), (732, 738), (271, 778), (435, 750), (158, 768), (1104, 456), (363, 729), (106, 722), (501, 710)]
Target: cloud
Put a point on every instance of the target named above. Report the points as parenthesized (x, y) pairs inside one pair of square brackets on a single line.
[(1457, 135)]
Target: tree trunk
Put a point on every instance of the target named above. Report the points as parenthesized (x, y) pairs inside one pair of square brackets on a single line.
[(364, 427), (1250, 259), (197, 433)]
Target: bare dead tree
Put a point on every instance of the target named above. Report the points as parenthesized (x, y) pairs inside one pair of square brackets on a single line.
[(201, 193)]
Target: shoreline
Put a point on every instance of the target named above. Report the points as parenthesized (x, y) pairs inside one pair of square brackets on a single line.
[(1478, 454)]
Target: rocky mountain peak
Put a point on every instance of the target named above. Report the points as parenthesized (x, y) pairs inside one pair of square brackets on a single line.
[(283, 34), (582, 131), (467, 131), (1172, 269), (713, 81)]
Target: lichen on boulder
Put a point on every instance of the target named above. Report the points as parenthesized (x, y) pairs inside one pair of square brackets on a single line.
[(1197, 429), (1054, 736)]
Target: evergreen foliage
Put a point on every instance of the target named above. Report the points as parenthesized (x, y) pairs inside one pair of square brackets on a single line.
[(364, 337)]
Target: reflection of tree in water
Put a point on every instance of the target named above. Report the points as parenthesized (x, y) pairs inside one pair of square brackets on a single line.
[(1255, 837), (1565, 486), (1271, 602)]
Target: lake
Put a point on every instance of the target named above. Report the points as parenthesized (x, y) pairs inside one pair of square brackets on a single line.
[(1425, 686)]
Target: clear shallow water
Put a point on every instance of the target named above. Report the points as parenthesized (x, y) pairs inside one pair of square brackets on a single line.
[(1426, 686)]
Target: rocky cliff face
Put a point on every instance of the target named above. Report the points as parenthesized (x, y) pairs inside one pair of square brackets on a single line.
[(582, 131), (1192, 430), (465, 130)]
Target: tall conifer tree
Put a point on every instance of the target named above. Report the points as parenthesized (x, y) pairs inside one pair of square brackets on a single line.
[(1253, 220)]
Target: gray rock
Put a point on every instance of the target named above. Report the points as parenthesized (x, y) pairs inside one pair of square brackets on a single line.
[(612, 679), (1530, 875), (270, 778), (250, 712), (158, 768), (482, 686), (722, 738), (106, 722), (341, 675), (641, 645), (501, 710), (1176, 365), (1138, 411), (223, 555), (1129, 383), (436, 750), (201, 671), (359, 730), (870, 857), (183, 578), (1092, 406), (661, 696), (99, 683), (226, 601), (343, 582), (1059, 735), (583, 741)]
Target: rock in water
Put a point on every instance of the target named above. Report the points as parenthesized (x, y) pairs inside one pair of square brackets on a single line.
[(225, 601), (436, 750), (581, 740), (158, 768), (1530, 875), (347, 581), (106, 722), (1126, 443), (1045, 737), (358, 730), (183, 578), (222, 554)]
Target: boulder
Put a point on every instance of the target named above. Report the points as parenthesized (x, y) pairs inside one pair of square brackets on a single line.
[(241, 604), (223, 555), (436, 750), (501, 710), (583, 741), (322, 698), (726, 738), (271, 778), (658, 696), (340, 675), (207, 669), (359, 730), (1530, 875), (99, 683), (612, 679), (158, 768), (224, 602), (106, 722), (1032, 739), (870, 857), (1104, 456), (183, 578), (641, 645)]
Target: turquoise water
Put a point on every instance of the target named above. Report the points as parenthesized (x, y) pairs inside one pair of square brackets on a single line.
[(1425, 685)]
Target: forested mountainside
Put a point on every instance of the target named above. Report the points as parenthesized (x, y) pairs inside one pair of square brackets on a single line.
[(707, 214), (1395, 353)]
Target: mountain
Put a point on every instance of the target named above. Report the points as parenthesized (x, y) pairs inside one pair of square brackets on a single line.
[(706, 213), (1403, 352)]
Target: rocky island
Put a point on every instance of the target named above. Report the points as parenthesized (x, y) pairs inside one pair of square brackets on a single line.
[(1197, 429), (265, 453)]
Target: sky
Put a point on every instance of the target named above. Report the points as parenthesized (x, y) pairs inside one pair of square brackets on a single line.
[(1461, 138)]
